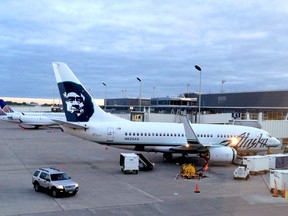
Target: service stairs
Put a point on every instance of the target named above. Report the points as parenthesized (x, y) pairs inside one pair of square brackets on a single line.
[(144, 163)]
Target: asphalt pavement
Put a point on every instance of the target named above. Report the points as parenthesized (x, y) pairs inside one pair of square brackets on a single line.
[(105, 190)]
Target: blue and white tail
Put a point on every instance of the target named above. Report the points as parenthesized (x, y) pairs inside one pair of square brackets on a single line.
[(6, 108), (78, 104)]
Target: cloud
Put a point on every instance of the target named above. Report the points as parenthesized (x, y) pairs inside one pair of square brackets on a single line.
[(113, 41)]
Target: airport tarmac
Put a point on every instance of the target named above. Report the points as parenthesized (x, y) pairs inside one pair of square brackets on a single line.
[(105, 190)]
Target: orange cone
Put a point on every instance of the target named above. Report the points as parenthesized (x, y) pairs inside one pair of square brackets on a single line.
[(275, 191), (196, 187)]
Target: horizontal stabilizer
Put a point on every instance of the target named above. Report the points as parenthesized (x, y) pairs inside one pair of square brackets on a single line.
[(71, 125)]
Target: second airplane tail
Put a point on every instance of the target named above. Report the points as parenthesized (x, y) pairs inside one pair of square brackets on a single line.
[(6, 108)]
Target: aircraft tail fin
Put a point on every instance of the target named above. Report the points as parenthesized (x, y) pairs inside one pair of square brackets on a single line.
[(6, 108), (78, 104)]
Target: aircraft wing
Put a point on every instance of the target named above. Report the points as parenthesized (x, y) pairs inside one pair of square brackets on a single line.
[(70, 124), (192, 138)]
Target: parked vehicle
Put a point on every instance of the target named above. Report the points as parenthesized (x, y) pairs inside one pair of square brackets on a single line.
[(54, 182)]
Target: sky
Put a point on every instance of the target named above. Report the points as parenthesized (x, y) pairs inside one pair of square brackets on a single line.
[(240, 46)]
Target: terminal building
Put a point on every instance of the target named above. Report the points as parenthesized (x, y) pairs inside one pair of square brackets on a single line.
[(268, 108), (273, 105)]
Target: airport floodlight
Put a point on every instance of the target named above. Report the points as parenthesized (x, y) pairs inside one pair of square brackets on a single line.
[(198, 67), (140, 95), (105, 95), (199, 103)]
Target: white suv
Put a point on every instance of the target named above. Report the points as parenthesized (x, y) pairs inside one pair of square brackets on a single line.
[(54, 181)]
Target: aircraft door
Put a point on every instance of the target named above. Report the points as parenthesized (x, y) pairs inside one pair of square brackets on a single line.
[(110, 134)]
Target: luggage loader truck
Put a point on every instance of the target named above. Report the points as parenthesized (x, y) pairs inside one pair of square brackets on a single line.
[(129, 163)]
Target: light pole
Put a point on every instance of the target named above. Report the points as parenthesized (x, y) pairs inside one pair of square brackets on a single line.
[(188, 85), (105, 95), (222, 83), (140, 96), (199, 104), (154, 91)]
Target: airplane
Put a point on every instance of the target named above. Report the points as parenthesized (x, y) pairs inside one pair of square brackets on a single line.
[(28, 120), (85, 119)]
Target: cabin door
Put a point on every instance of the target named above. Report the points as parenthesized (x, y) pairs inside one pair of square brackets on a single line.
[(110, 134)]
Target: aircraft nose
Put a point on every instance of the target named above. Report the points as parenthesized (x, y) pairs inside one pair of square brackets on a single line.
[(273, 142)]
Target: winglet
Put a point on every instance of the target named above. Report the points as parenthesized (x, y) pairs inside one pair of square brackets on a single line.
[(190, 134)]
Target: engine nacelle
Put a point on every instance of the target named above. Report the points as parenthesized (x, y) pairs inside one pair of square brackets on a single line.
[(222, 154), (13, 116)]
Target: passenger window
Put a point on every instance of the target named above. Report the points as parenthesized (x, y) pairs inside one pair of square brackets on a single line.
[(36, 173), (43, 176)]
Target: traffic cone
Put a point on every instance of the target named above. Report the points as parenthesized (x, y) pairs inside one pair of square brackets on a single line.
[(275, 191), (196, 187), (284, 191)]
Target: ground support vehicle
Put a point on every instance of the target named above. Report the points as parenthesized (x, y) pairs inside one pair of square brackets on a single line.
[(129, 163), (241, 172)]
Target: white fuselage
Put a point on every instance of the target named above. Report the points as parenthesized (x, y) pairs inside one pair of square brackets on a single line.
[(164, 135)]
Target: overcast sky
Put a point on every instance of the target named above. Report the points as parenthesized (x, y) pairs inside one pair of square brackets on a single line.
[(242, 42)]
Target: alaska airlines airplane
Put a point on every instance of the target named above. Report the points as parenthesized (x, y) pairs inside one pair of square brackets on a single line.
[(29, 119), (85, 119)]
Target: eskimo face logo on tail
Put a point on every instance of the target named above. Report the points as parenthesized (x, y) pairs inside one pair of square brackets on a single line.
[(76, 101)]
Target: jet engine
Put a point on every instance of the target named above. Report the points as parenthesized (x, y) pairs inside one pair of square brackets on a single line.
[(222, 154), (14, 116)]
